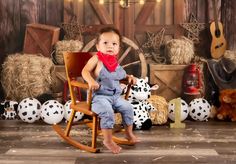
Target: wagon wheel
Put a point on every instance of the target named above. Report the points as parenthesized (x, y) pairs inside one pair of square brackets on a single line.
[(128, 47)]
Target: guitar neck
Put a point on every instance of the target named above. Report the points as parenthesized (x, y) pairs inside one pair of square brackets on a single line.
[(215, 14)]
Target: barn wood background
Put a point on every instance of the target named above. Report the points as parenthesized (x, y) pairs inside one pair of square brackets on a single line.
[(133, 22)]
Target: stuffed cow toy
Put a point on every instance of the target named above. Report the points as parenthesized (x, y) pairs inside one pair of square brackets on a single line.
[(8, 110), (138, 96)]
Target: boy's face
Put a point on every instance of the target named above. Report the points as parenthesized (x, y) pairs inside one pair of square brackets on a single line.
[(109, 43)]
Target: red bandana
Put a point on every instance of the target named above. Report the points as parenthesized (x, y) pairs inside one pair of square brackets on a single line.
[(110, 61)]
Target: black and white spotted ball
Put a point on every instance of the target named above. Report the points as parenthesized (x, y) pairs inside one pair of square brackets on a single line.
[(29, 110), (52, 112), (184, 110), (200, 109), (78, 115)]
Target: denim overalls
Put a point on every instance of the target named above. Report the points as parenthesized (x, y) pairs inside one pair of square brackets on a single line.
[(107, 98)]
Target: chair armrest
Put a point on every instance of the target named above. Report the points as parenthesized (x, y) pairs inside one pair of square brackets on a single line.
[(124, 81), (79, 84), (127, 92), (84, 85)]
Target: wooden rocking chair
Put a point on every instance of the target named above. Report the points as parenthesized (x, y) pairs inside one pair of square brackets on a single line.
[(74, 63)]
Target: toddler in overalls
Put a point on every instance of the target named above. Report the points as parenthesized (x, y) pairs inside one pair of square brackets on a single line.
[(103, 73)]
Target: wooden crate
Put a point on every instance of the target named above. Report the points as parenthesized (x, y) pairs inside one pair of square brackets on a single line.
[(169, 78), (40, 38)]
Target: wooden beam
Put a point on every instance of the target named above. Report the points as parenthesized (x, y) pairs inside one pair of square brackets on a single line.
[(169, 12), (101, 11), (117, 16), (202, 14), (129, 22), (68, 11), (53, 6), (143, 15), (178, 17)]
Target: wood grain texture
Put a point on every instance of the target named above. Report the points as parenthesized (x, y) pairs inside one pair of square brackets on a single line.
[(145, 12), (102, 12), (179, 17), (228, 11), (170, 86), (54, 12), (9, 27), (200, 142)]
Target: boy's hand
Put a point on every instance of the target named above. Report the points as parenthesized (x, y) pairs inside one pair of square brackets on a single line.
[(93, 85)]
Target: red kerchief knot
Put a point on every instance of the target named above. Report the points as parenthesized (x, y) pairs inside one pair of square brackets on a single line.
[(110, 61)]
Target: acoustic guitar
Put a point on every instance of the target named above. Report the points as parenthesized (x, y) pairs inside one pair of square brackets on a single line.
[(218, 44)]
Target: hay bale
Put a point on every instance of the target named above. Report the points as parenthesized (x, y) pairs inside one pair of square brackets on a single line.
[(118, 119), (160, 116), (179, 51), (26, 75), (64, 46)]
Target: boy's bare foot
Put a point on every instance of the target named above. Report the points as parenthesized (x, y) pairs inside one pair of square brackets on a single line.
[(132, 138), (113, 147)]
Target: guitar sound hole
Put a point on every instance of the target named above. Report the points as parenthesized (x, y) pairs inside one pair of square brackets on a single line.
[(217, 33), (219, 45)]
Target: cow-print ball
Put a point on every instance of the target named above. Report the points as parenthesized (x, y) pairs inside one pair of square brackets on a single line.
[(29, 110), (184, 110), (52, 112), (8, 110), (78, 115), (200, 109)]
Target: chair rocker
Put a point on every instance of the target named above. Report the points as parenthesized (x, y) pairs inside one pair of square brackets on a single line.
[(74, 63)]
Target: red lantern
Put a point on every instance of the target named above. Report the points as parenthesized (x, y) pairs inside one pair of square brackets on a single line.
[(192, 82)]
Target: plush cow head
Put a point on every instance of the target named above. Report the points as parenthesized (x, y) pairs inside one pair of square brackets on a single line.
[(141, 90)]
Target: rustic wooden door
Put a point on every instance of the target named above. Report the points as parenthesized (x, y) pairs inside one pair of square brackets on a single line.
[(152, 16), (135, 19)]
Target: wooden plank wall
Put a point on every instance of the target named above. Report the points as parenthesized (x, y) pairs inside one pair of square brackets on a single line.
[(167, 14), (229, 22), (15, 14), (226, 14), (136, 19)]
